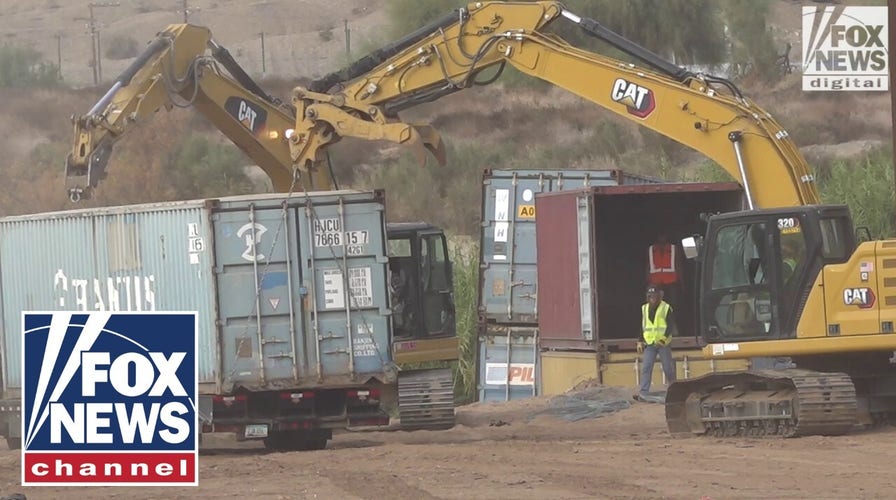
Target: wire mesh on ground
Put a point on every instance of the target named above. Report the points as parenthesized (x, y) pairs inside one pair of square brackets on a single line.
[(592, 402)]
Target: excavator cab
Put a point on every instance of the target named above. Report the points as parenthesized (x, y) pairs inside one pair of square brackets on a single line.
[(758, 268), (420, 277)]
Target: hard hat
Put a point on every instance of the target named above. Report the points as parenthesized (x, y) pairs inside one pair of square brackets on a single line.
[(653, 290)]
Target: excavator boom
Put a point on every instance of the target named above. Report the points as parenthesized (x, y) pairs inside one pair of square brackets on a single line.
[(706, 113)]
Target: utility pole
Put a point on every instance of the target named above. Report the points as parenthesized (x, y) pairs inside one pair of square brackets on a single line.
[(95, 39), (59, 56), (348, 42), (186, 10), (263, 67)]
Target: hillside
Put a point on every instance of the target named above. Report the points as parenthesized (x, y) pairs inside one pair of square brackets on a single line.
[(486, 127), (301, 37)]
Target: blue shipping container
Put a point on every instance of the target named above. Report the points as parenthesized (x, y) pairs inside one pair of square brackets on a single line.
[(290, 293)]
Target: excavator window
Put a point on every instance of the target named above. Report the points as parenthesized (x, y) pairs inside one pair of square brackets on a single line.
[(740, 295), (835, 239), (738, 260), (437, 296)]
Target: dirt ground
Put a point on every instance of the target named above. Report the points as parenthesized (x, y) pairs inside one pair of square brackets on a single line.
[(525, 450)]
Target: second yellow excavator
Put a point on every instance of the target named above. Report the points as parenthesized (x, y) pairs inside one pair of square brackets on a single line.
[(784, 278)]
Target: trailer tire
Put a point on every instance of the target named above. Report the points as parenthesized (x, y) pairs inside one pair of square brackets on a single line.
[(14, 443)]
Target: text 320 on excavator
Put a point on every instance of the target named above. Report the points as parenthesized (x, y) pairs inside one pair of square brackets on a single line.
[(784, 278)]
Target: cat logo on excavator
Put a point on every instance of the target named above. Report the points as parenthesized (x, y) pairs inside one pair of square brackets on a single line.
[(639, 100), (862, 297), (250, 115)]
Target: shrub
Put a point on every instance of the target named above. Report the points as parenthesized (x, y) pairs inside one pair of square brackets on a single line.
[(121, 47), (23, 67)]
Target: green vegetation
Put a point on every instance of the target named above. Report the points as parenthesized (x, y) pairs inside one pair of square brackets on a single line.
[(466, 290), (23, 67), (203, 168), (866, 185)]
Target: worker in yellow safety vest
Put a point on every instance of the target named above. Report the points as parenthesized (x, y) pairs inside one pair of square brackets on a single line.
[(657, 325)]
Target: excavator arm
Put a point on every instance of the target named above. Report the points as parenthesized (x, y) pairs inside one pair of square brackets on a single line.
[(182, 67), (708, 114)]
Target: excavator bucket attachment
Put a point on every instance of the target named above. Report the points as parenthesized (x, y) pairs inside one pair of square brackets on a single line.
[(82, 177), (432, 141)]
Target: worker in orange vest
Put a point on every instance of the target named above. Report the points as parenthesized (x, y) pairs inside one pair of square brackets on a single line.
[(664, 268)]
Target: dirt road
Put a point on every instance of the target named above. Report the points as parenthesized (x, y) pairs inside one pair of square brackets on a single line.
[(515, 451)]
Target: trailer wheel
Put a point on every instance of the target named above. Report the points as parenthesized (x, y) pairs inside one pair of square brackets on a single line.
[(14, 443)]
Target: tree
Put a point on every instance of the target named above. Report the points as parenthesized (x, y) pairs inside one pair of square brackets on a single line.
[(686, 31), (752, 47)]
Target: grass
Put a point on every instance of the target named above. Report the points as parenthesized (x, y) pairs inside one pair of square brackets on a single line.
[(466, 291), (865, 184)]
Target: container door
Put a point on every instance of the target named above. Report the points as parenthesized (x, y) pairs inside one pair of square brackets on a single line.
[(507, 363), (509, 280), (256, 266), (566, 273), (344, 269)]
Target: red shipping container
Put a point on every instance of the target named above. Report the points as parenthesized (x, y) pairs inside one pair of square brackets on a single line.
[(592, 258)]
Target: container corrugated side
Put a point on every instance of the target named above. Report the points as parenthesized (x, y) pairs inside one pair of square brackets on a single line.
[(507, 363), (136, 258), (320, 316), (508, 279)]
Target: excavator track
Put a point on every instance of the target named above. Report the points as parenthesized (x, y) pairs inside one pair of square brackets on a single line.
[(762, 403), (426, 399)]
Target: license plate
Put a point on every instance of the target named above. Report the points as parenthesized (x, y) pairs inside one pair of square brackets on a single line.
[(257, 431)]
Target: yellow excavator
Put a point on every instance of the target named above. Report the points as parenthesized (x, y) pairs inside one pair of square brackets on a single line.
[(784, 278)]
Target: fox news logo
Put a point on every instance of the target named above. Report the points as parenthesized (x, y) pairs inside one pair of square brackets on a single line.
[(845, 48), (109, 399)]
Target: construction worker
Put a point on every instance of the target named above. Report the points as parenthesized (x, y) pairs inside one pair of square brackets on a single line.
[(398, 284), (663, 268), (657, 324), (792, 251)]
